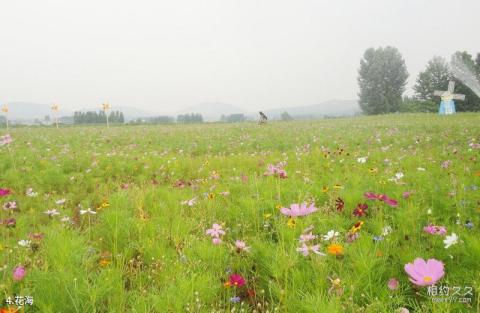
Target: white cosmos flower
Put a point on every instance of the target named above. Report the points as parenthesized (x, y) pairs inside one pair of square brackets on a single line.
[(24, 243), (450, 240), (362, 160), (89, 211), (331, 234), (61, 201), (387, 230)]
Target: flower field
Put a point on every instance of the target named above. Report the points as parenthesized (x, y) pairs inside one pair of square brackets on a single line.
[(365, 214)]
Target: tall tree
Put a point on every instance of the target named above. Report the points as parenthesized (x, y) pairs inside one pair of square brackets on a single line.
[(472, 100), (435, 77), (382, 78)]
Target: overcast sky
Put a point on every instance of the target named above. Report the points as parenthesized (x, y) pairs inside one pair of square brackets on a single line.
[(162, 56)]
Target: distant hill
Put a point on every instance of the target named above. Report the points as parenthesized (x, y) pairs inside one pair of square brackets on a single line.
[(212, 111), (327, 108)]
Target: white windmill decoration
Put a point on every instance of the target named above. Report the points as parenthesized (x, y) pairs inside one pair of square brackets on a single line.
[(5, 111), (447, 105), (106, 107), (55, 108)]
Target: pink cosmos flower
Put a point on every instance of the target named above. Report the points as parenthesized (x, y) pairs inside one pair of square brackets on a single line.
[(276, 170), (435, 230), (406, 194), (4, 192), (5, 140), (446, 164), (393, 284), (19, 272), (299, 209), (305, 249), (424, 273), (381, 197), (215, 231), (10, 206), (307, 237), (241, 246), (236, 280), (216, 240), (190, 202)]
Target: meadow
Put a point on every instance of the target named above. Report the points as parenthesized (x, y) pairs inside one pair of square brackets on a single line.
[(203, 218)]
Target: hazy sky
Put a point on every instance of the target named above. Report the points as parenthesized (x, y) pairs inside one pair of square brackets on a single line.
[(166, 55)]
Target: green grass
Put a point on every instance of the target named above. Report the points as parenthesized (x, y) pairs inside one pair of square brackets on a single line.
[(146, 252)]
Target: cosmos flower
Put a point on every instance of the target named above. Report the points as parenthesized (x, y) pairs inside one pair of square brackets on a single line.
[(331, 235), (393, 284), (24, 243), (362, 160), (299, 209), (307, 237), (5, 140), (450, 240), (4, 192), (424, 273), (241, 246), (381, 197), (305, 249), (190, 202), (9, 222), (31, 193), (435, 230), (10, 206), (19, 272), (360, 210), (61, 201), (215, 231), (87, 211), (51, 213), (351, 237), (276, 170), (446, 164), (236, 280)]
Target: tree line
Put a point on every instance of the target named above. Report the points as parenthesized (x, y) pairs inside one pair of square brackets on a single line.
[(93, 117), (382, 78)]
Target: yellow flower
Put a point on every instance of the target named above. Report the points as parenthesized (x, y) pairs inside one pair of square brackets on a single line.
[(335, 249), (291, 223), (278, 206), (267, 215), (325, 189), (211, 196), (337, 186), (104, 262), (356, 227)]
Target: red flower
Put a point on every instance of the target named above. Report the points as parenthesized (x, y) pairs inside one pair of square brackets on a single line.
[(340, 204), (236, 280), (360, 210)]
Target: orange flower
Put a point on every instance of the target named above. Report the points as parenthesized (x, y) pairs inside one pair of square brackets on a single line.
[(8, 310), (104, 262), (335, 249)]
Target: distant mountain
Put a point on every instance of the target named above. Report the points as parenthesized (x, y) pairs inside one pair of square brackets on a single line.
[(212, 111), (327, 108), (29, 111)]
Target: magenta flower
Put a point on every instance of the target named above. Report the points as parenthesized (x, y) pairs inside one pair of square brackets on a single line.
[(236, 280), (424, 273), (18, 273), (4, 192), (406, 194), (435, 230), (299, 209), (372, 196), (9, 222)]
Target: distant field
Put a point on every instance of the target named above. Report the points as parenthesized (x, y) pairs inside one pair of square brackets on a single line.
[(155, 191)]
